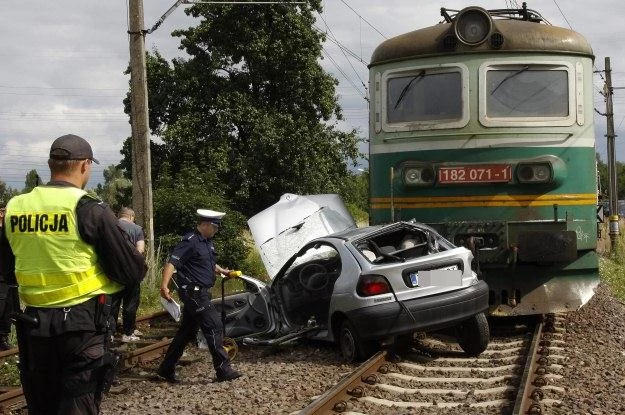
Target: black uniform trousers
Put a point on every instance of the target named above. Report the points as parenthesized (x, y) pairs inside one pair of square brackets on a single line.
[(198, 312), (129, 297), (62, 364)]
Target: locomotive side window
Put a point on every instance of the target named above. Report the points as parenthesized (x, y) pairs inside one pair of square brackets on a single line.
[(409, 105), (521, 94)]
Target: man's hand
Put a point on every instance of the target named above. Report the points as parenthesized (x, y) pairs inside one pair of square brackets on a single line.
[(165, 293), (228, 275), (168, 271)]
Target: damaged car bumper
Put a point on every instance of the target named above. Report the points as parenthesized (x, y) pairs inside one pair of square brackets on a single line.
[(430, 313)]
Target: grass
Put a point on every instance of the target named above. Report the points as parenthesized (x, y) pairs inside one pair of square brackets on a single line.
[(9, 373), (612, 267)]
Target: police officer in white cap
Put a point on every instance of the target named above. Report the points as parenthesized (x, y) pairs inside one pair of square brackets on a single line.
[(194, 261)]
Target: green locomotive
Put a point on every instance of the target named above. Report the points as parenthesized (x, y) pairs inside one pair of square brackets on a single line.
[(482, 127)]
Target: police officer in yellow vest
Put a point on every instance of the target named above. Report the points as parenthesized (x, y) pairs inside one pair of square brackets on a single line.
[(68, 255)]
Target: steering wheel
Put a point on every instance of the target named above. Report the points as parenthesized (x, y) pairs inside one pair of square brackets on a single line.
[(313, 277)]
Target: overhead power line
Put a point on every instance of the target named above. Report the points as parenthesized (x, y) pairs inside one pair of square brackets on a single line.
[(340, 45), (338, 67), (364, 20), (344, 54)]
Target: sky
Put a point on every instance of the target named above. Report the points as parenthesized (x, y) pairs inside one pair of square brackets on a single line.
[(63, 65)]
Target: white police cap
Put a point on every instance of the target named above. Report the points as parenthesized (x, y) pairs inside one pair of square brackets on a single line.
[(210, 215)]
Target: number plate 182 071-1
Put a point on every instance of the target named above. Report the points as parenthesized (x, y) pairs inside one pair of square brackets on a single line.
[(483, 173)]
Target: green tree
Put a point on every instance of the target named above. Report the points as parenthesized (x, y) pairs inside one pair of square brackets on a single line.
[(175, 205), (252, 105), (355, 194), (602, 169), (6, 193), (117, 189), (32, 181)]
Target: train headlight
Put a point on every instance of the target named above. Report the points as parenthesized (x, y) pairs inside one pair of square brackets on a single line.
[(534, 173), (473, 25), (418, 175)]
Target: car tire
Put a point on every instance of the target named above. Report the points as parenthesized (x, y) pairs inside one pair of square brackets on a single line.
[(352, 348), (473, 334)]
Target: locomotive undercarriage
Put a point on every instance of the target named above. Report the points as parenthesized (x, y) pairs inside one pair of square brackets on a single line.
[(529, 271)]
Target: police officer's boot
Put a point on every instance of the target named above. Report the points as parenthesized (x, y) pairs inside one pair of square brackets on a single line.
[(4, 341)]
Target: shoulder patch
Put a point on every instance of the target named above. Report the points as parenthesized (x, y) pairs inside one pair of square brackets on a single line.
[(191, 237)]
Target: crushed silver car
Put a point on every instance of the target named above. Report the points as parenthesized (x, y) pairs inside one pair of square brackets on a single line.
[(357, 287)]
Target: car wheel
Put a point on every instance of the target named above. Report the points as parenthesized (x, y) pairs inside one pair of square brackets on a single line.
[(473, 334), (352, 348)]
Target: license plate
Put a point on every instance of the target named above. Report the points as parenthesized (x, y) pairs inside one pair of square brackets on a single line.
[(483, 173), (446, 276)]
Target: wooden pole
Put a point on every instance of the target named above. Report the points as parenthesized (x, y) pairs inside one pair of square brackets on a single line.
[(141, 163)]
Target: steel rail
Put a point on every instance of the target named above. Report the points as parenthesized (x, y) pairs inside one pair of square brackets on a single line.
[(526, 399), (335, 399)]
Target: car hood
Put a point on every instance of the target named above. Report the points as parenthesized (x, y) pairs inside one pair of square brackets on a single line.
[(283, 228)]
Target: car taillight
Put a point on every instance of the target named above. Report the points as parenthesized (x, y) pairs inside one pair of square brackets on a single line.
[(369, 285)]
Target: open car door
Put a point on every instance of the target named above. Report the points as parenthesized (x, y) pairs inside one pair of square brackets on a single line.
[(246, 309)]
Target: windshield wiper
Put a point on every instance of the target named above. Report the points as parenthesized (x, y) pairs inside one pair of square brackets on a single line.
[(512, 75), (407, 87)]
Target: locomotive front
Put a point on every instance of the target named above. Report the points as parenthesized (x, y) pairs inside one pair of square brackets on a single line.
[(482, 126)]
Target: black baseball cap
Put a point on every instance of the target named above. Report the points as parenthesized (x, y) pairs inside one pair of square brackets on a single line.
[(71, 147)]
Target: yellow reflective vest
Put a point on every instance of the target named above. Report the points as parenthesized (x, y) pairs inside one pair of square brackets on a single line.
[(54, 267)]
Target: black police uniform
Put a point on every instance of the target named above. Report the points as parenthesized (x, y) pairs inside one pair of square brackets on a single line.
[(65, 362), (194, 260)]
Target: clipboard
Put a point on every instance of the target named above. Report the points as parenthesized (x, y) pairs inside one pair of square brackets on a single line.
[(172, 307)]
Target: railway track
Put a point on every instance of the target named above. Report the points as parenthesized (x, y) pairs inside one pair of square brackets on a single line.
[(13, 399), (517, 374)]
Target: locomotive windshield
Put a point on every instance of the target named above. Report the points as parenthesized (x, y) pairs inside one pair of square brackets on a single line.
[(410, 98), (527, 92)]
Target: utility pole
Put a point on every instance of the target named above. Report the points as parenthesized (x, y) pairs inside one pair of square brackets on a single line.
[(141, 164), (612, 185)]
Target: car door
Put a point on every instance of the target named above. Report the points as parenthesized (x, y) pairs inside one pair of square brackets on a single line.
[(245, 309)]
